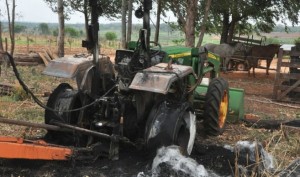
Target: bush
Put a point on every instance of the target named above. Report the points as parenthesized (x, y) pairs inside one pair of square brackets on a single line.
[(273, 41), (178, 41), (297, 41), (110, 36), (44, 28), (72, 32), (55, 32)]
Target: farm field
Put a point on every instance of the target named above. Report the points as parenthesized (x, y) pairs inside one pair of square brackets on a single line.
[(283, 144)]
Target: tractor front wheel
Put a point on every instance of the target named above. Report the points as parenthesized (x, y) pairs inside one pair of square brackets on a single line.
[(216, 107), (170, 124)]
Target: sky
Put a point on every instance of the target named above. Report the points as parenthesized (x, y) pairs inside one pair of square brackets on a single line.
[(38, 11)]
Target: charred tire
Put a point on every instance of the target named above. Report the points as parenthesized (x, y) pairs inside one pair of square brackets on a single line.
[(216, 107), (63, 98), (171, 124)]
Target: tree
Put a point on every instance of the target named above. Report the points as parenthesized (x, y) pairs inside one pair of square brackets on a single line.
[(11, 24), (186, 12), (111, 36), (124, 12), (82, 6), (72, 32), (107, 8), (61, 29), (55, 32), (235, 15), (19, 28), (158, 14), (203, 26), (1, 44), (44, 28), (129, 25)]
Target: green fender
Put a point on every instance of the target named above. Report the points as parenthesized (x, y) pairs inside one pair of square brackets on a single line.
[(236, 102)]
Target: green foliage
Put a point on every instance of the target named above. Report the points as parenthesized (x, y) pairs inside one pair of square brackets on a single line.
[(297, 41), (178, 41), (72, 32), (273, 41), (55, 32), (20, 28), (44, 28), (110, 36)]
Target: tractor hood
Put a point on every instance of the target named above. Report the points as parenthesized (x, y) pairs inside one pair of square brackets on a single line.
[(158, 78)]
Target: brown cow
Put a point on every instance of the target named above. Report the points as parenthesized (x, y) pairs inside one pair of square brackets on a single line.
[(256, 53)]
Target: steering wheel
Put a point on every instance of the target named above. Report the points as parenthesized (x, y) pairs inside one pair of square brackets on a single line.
[(157, 45)]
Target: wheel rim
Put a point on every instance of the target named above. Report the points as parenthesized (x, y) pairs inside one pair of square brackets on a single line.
[(223, 109), (240, 67)]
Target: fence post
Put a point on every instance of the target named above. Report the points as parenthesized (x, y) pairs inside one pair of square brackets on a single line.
[(5, 44), (27, 44)]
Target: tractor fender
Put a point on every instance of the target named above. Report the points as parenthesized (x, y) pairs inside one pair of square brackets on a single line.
[(68, 67), (164, 123), (84, 71)]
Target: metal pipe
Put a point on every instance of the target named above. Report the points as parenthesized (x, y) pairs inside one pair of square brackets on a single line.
[(30, 124), (84, 131)]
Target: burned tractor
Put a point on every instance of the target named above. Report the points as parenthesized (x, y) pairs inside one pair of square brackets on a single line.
[(150, 97)]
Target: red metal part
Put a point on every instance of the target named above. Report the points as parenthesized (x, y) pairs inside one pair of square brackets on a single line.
[(18, 148)]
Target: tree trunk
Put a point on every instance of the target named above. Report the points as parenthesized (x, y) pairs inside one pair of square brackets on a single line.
[(124, 9), (61, 31), (190, 23), (11, 25), (86, 19), (159, 8), (225, 28), (203, 26), (129, 27), (12, 49), (231, 31), (1, 44)]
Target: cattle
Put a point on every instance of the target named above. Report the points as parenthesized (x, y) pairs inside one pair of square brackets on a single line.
[(225, 51), (255, 53)]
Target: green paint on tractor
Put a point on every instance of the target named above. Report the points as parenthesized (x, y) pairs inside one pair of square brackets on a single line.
[(190, 57)]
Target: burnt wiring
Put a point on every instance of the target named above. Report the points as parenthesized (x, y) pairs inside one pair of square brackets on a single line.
[(36, 100)]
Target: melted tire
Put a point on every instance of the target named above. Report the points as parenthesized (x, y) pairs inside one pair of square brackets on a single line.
[(168, 125), (62, 98), (217, 90)]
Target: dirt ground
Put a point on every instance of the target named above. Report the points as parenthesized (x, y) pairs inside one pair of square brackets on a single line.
[(258, 101)]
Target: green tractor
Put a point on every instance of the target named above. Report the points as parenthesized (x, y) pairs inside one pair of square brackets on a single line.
[(150, 97)]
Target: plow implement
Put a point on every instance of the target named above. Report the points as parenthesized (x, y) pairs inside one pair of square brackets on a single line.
[(19, 148)]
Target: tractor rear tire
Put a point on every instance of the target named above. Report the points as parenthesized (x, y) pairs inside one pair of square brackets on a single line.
[(216, 107), (63, 98)]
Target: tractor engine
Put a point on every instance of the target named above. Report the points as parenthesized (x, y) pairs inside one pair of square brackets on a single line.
[(125, 67), (129, 62)]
